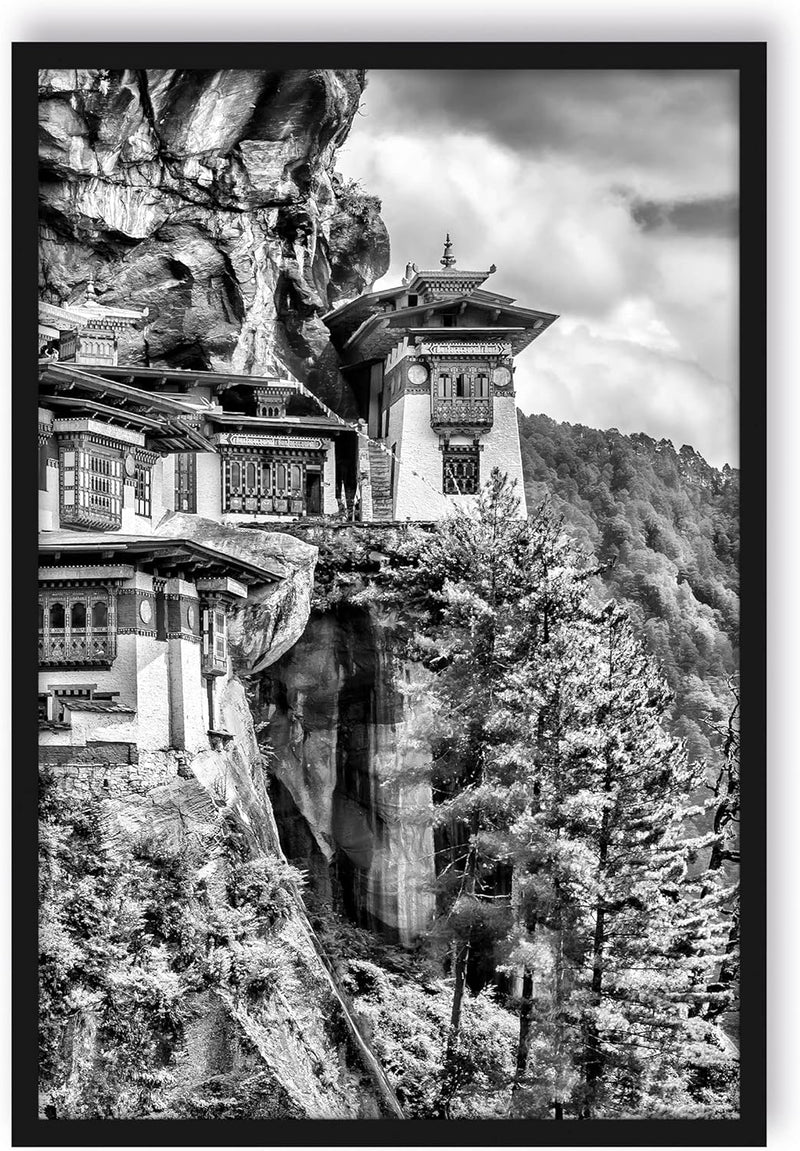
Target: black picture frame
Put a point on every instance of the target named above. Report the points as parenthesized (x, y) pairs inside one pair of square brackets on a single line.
[(749, 59)]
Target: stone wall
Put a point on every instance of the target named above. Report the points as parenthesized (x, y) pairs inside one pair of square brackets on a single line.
[(104, 771)]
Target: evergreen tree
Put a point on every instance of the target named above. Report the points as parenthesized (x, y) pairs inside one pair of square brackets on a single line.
[(478, 598), (561, 803)]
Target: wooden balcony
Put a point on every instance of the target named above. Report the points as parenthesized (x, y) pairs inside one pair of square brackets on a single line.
[(60, 648), (456, 412)]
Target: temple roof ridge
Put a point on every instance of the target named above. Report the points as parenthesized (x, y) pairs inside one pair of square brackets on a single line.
[(90, 313)]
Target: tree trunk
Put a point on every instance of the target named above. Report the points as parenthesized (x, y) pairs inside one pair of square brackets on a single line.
[(524, 1041), (593, 1056), (449, 1078)]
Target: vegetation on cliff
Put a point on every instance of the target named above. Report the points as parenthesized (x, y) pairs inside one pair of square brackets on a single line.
[(179, 981), (568, 858), (666, 526)]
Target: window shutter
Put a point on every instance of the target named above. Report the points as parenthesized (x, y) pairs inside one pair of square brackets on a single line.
[(220, 636)]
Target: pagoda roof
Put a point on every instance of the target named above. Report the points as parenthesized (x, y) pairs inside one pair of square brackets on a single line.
[(380, 331), (90, 314), (440, 285), (182, 379), (292, 424), (169, 424), (170, 421), (449, 280), (168, 552)]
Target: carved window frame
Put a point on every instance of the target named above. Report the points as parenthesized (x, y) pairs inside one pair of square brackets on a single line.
[(91, 484), (92, 645), (260, 481), (461, 469)]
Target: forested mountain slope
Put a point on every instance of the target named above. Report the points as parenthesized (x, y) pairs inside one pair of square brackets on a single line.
[(670, 523)]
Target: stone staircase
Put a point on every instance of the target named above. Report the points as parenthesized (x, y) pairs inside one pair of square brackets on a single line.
[(379, 474)]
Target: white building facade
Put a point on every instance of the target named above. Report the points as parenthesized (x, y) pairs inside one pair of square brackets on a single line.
[(432, 363)]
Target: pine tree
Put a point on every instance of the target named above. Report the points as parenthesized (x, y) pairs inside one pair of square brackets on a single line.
[(479, 598), (602, 852), (561, 804)]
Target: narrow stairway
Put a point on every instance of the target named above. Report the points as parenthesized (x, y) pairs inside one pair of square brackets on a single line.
[(379, 474)]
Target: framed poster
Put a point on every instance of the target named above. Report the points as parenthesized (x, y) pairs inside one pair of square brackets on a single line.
[(390, 691)]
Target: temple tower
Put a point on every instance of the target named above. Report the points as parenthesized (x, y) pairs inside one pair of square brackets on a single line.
[(431, 363)]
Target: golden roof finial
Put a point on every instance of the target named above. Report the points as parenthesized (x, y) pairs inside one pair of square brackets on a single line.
[(447, 259)]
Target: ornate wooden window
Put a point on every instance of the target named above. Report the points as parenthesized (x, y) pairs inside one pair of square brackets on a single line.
[(91, 486), (461, 466), (143, 490), (263, 483), (77, 627), (215, 640), (186, 482), (462, 396)]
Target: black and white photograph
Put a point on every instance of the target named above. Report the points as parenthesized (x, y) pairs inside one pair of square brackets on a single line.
[(390, 698)]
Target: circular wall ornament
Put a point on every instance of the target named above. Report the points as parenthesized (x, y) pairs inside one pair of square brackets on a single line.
[(190, 616), (501, 377), (130, 465), (417, 374), (145, 611)]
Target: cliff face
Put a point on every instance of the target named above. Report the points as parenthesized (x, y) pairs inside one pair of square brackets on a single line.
[(192, 985), (212, 199), (344, 724)]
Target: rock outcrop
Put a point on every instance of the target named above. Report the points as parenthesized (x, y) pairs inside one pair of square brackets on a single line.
[(289, 1049), (212, 199), (274, 615)]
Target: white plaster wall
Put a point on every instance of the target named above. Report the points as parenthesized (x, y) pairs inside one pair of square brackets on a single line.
[(141, 580), (143, 525), (103, 679), (120, 677), (152, 692), (129, 517), (49, 516), (166, 467), (501, 446), (418, 448), (330, 505), (209, 485), (187, 695), (102, 727), (122, 672)]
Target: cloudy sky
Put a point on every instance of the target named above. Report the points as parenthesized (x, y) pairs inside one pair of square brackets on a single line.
[(609, 198)]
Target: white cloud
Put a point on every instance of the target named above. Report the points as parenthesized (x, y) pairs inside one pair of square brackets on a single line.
[(647, 339), (577, 375)]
